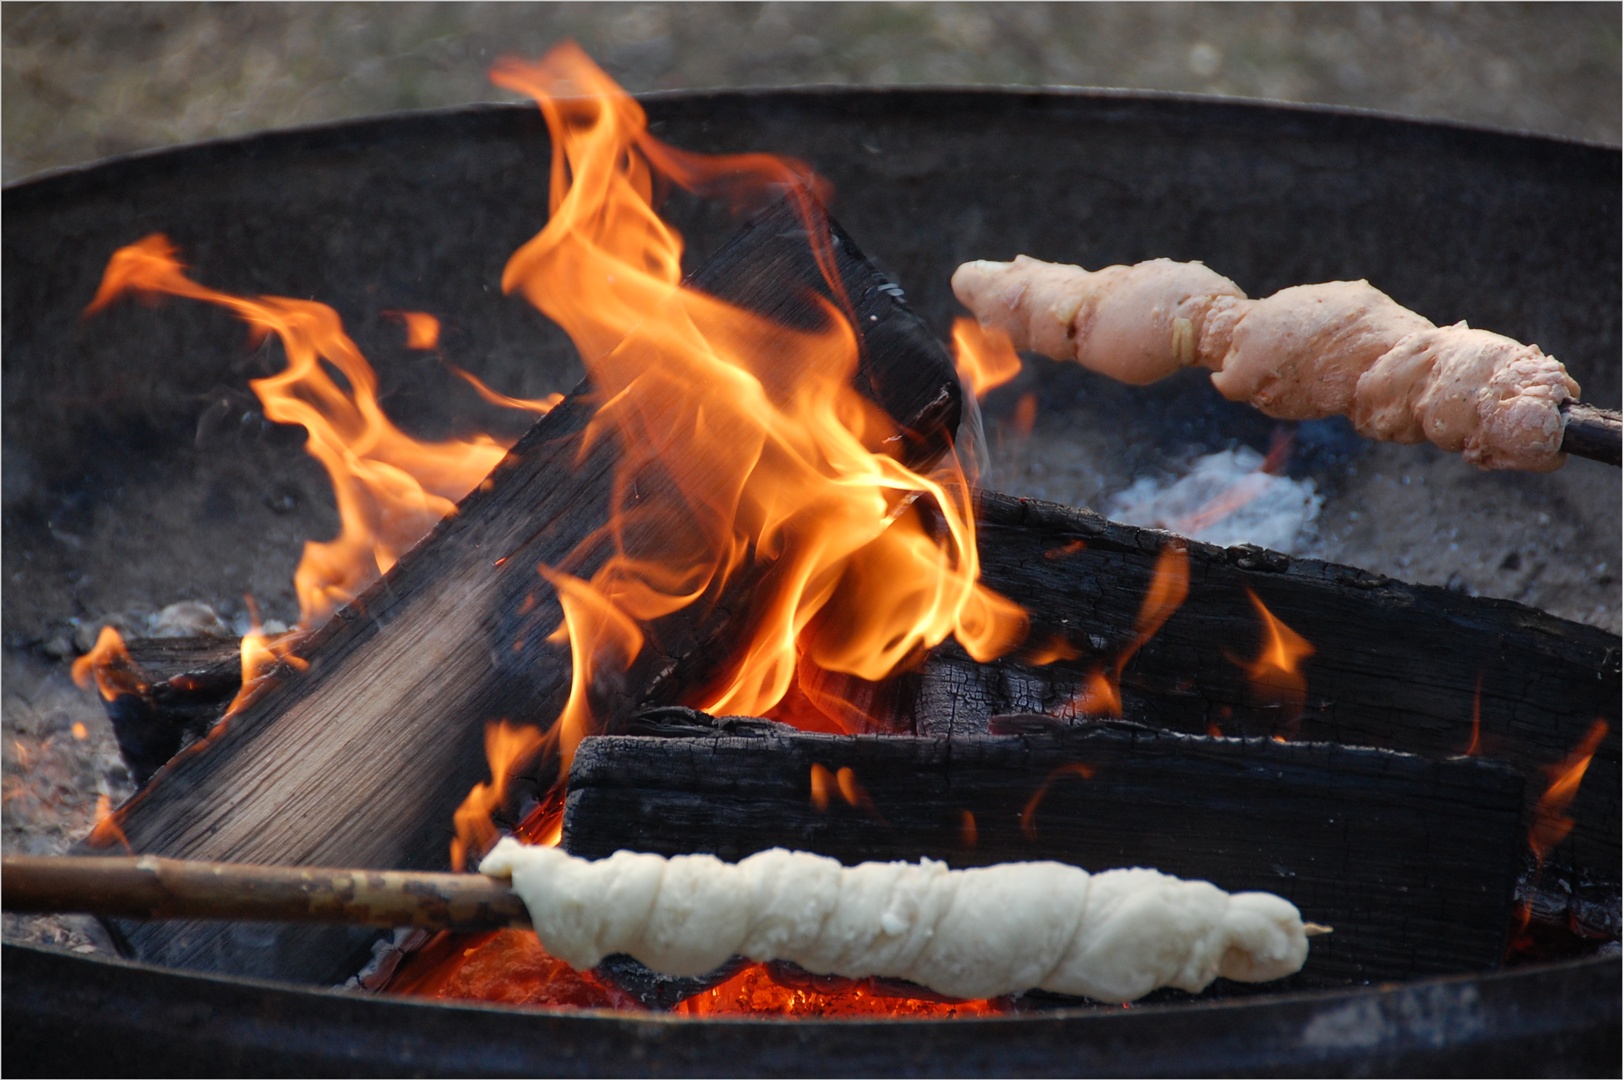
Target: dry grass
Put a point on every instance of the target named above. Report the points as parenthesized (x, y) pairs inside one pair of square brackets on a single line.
[(84, 81)]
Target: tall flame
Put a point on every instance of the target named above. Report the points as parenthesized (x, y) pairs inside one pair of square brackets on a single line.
[(755, 426), (390, 488)]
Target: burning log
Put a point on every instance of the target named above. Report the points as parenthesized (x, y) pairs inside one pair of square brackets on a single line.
[(1412, 668), (168, 693), (1412, 861), (360, 756)]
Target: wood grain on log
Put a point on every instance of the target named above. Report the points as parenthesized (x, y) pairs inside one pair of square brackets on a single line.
[(361, 760), (1412, 861)]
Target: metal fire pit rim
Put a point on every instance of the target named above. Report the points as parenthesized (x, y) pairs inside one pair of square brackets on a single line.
[(1171, 105), (63, 1007)]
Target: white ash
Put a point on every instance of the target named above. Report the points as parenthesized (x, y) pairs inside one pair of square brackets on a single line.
[(1225, 499), (387, 953)]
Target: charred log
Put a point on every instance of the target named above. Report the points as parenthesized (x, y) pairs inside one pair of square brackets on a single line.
[(360, 758), (185, 686), (1393, 665), (1412, 861)]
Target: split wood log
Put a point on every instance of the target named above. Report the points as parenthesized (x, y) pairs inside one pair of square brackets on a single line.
[(1399, 666), (1412, 861), (361, 759)]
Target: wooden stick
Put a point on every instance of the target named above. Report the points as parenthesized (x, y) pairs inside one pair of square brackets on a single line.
[(1593, 433), (149, 887)]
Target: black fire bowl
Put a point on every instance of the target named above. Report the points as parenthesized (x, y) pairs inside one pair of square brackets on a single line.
[(137, 472)]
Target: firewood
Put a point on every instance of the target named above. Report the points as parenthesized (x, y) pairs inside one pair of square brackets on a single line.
[(1412, 861), (178, 689), (361, 759), (1399, 666)]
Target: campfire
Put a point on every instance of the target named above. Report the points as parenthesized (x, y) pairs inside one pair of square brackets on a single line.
[(738, 590)]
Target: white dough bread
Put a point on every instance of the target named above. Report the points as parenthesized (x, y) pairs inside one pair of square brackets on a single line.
[(1342, 347), (1112, 936)]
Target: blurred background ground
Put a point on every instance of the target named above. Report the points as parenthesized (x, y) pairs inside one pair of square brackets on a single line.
[(84, 81)]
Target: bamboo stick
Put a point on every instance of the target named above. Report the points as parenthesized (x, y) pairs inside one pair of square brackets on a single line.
[(149, 887)]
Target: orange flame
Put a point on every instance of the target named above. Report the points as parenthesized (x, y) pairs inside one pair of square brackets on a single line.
[(1475, 745), (1025, 415), (390, 488), (1100, 694), (1550, 823), (1276, 674), (852, 791), (969, 831), (1169, 588), (261, 656), (109, 666), (1056, 649), (766, 465), (539, 406), (821, 782), (507, 748), (984, 355), (1028, 816), (107, 830), (422, 329)]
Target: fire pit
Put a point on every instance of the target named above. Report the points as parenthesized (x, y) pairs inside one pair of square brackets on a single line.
[(129, 487)]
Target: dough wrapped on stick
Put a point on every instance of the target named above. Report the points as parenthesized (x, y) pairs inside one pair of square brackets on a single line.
[(1343, 347), (1112, 936)]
